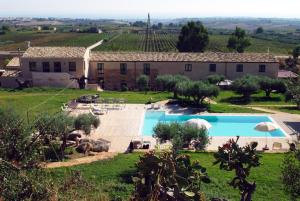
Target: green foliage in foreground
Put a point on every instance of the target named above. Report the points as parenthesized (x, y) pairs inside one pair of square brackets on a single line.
[(114, 177), (169, 176), (19, 185), (232, 157), (291, 173)]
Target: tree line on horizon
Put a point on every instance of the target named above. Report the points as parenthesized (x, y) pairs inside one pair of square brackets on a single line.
[(194, 37)]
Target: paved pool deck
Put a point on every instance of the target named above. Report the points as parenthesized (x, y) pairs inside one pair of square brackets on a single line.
[(120, 126)]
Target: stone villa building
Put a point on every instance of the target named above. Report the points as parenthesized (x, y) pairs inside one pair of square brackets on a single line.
[(56, 66)]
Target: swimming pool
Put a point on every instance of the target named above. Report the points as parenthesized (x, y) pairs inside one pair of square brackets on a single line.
[(222, 126)]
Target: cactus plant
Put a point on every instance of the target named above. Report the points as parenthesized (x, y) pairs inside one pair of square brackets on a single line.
[(168, 176), (232, 157)]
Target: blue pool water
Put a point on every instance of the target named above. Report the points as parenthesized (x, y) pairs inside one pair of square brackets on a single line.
[(221, 125)]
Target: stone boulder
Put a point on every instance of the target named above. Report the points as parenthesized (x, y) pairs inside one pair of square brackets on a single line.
[(100, 147), (85, 140), (94, 145), (84, 147)]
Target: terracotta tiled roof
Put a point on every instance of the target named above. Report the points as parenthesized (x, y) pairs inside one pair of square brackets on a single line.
[(183, 57), (54, 52)]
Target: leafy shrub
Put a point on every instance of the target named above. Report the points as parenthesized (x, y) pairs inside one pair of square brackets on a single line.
[(19, 185), (85, 122), (52, 152), (143, 82), (293, 92), (167, 176), (181, 135), (124, 87), (18, 142), (290, 173)]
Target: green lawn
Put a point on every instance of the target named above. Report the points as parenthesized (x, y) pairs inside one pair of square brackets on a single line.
[(225, 108), (256, 99), (39, 100), (113, 177), (288, 109)]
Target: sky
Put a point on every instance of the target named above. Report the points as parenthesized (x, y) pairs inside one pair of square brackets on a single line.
[(138, 9)]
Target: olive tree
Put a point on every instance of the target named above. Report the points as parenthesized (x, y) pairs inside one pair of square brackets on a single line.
[(215, 79), (181, 135), (184, 88), (199, 91), (61, 125), (293, 92), (246, 86), (143, 82), (168, 82), (268, 85)]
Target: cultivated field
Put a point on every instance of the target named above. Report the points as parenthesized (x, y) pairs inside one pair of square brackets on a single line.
[(156, 42), (15, 40), (167, 42)]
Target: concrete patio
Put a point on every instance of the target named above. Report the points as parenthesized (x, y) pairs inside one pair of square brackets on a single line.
[(120, 126)]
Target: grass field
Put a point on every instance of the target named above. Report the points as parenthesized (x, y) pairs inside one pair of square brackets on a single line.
[(256, 99), (287, 109), (113, 177), (39, 100), (129, 42), (219, 42)]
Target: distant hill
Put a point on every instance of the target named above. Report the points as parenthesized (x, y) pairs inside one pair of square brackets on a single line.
[(245, 23)]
